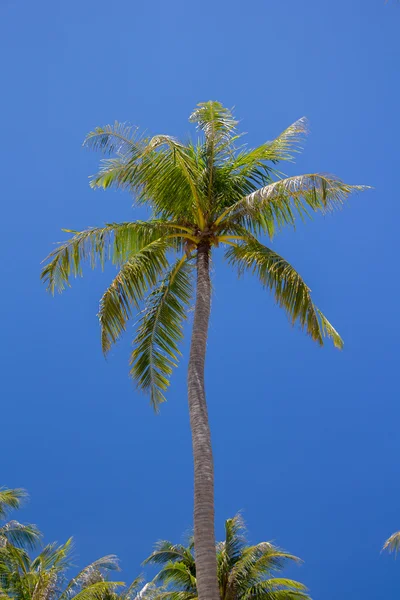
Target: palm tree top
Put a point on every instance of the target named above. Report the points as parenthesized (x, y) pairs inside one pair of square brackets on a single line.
[(208, 192), (43, 577), (244, 571)]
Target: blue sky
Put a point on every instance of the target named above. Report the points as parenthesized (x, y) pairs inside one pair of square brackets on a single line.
[(306, 439)]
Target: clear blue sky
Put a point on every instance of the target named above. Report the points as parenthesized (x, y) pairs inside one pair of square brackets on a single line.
[(306, 440)]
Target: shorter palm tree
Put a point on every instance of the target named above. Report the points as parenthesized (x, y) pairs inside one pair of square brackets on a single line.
[(244, 572), (44, 577), (14, 533), (393, 543)]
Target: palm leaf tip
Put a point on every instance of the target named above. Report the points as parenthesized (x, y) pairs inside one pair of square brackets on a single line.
[(392, 544), (290, 290)]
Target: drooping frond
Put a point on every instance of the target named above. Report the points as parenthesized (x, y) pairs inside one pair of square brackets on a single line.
[(255, 564), (17, 534), (119, 138), (114, 241), (290, 291), (90, 574), (98, 590), (166, 552), (160, 330), (177, 574), (10, 499), (276, 589), (278, 203), (135, 278), (164, 175), (215, 121), (393, 543)]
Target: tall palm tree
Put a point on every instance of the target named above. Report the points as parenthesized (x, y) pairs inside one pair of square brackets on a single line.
[(244, 571), (201, 194), (15, 533), (44, 577)]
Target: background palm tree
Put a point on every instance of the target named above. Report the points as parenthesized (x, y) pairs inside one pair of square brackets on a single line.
[(201, 194), (244, 571), (15, 533), (44, 577)]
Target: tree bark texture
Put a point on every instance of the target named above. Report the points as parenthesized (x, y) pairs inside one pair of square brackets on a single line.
[(204, 534)]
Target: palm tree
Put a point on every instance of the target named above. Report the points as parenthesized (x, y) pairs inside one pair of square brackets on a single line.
[(392, 543), (244, 571), (43, 577), (14, 533), (202, 194)]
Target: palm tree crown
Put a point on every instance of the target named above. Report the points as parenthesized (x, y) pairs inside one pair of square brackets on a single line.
[(44, 577), (244, 572), (204, 193)]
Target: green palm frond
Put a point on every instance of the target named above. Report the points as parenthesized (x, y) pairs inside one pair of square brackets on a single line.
[(177, 574), (114, 241), (283, 146), (90, 574), (17, 534), (164, 176), (234, 538), (98, 590), (139, 274), (393, 543), (278, 203), (119, 138), (166, 552), (11, 499), (290, 291), (160, 330), (54, 557), (215, 121)]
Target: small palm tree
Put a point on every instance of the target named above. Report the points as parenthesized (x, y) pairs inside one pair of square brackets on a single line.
[(392, 544), (202, 194), (43, 577), (244, 571), (14, 533)]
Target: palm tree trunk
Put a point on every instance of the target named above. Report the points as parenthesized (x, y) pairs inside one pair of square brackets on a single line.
[(204, 536)]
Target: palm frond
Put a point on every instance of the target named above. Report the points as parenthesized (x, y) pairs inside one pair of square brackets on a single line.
[(98, 590), (11, 499), (119, 138), (290, 291), (234, 538), (90, 574), (177, 574), (393, 543), (163, 175), (283, 146), (135, 278), (214, 120), (166, 552), (17, 534), (278, 203), (276, 589), (114, 241), (160, 330), (54, 557)]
